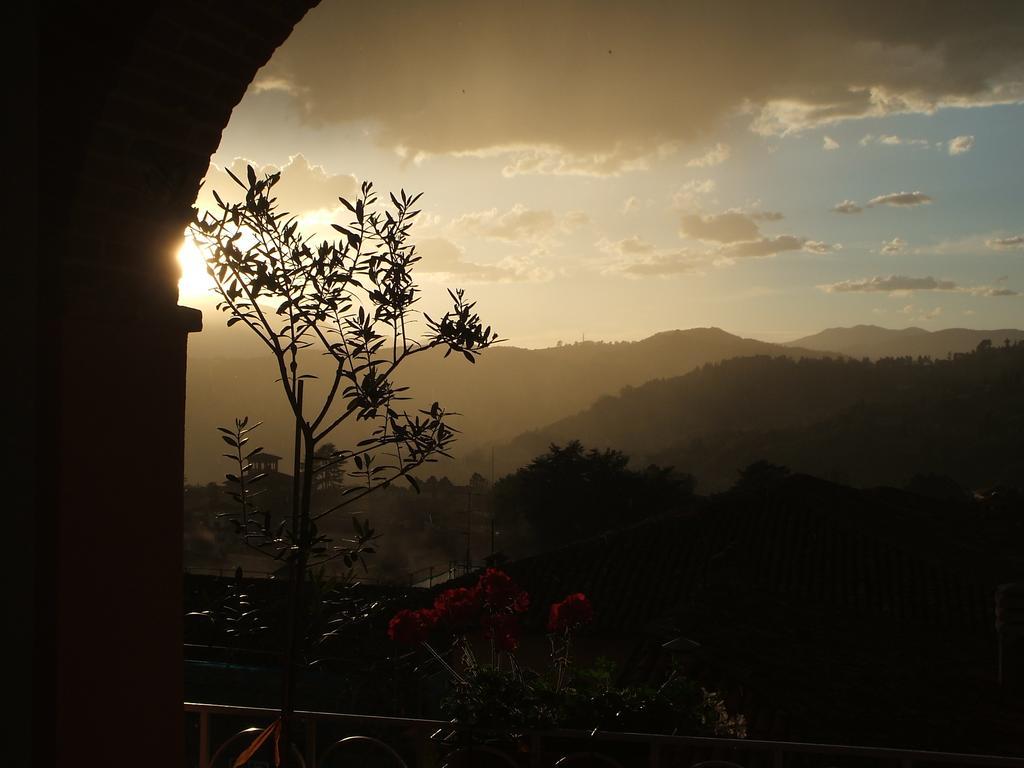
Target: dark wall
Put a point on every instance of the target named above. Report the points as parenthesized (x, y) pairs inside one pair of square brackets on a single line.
[(132, 99)]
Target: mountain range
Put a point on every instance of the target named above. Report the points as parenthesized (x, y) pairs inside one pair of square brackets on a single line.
[(875, 342), (512, 393), (860, 422)]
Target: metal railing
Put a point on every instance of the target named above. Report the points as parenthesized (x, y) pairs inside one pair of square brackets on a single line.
[(329, 738), (427, 576)]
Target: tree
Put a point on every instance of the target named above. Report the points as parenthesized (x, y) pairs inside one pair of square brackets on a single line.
[(351, 299), (570, 492)]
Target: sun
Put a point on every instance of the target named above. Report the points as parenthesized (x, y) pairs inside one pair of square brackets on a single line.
[(194, 282)]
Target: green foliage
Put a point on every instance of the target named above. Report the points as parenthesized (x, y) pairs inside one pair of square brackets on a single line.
[(511, 701)]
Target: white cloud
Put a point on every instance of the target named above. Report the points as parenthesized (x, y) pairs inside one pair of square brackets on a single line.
[(829, 144), (737, 234), (526, 160), (891, 140), (1012, 242), (769, 246), (901, 285), (692, 195), (894, 246), (662, 265), (302, 189), (961, 144), (518, 224), (717, 155), (901, 199), (847, 206), (636, 257), (440, 256), (919, 314), (890, 283), (994, 291), (727, 227), (633, 245)]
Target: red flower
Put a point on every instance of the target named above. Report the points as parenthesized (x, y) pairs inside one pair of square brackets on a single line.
[(573, 611), (410, 627), (458, 608), (500, 593), (503, 628)]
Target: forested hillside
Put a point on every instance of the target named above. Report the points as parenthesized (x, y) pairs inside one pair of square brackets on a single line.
[(864, 423)]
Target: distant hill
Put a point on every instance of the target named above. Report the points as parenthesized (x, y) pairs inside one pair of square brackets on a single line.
[(864, 423), (875, 342), (509, 389)]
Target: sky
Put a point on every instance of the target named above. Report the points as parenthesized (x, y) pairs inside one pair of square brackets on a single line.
[(611, 170)]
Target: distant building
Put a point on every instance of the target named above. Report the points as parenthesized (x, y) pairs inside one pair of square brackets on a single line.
[(265, 462)]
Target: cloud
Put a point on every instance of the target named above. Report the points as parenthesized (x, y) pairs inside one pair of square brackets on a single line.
[(891, 140), (661, 265), (894, 246), (996, 291), (1013, 242), (636, 257), (847, 206), (629, 246), (457, 76), (829, 144), (738, 235), (303, 187), (921, 315), (264, 83), (727, 227), (630, 204), (717, 155), (769, 246), (441, 256), (901, 199), (692, 195), (961, 144), (518, 224), (553, 161), (889, 284)]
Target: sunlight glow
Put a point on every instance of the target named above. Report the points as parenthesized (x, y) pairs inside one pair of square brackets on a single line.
[(194, 281)]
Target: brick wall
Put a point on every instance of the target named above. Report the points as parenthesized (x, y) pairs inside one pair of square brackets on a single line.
[(133, 98)]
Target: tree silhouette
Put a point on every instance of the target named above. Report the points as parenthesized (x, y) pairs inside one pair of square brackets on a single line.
[(351, 299), (571, 492)]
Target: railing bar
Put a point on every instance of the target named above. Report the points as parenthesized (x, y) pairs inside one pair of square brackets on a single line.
[(746, 744), (311, 743), (204, 740)]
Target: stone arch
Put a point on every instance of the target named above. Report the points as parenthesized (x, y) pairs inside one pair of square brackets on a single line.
[(132, 100)]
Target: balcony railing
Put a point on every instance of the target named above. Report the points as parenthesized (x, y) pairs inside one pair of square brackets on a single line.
[(217, 734)]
